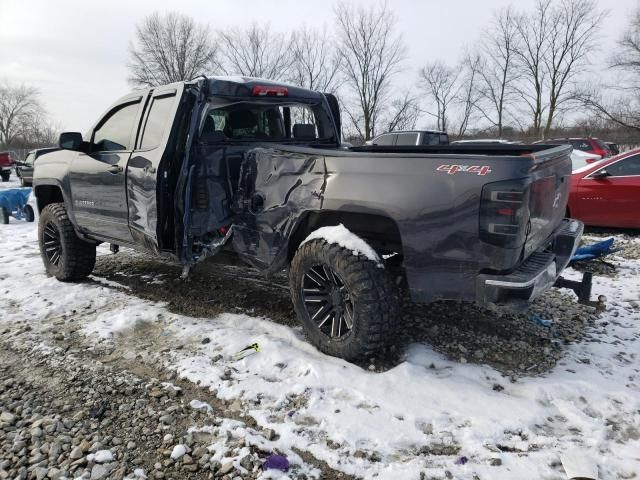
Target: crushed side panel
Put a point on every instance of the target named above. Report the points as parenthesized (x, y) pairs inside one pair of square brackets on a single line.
[(276, 188)]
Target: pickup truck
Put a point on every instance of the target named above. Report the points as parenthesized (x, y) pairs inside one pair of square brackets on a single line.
[(254, 167)]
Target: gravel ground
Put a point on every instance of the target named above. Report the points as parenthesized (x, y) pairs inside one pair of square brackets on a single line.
[(512, 343), (79, 412)]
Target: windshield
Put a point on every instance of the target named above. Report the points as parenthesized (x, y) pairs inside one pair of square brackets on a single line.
[(255, 121)]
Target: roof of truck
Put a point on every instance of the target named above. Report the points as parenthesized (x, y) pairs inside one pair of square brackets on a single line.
[(238, 86)]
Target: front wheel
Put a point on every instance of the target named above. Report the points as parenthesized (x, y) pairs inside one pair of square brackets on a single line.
[(65, 256), (347, 303)]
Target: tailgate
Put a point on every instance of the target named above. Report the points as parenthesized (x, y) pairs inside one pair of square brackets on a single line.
[(549, 192)]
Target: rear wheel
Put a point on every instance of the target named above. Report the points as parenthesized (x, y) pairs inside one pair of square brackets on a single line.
[(348, 305), (64, 254), (5, 215), (6, 176)]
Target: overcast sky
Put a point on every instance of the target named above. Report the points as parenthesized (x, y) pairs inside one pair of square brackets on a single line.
[(75, 52)]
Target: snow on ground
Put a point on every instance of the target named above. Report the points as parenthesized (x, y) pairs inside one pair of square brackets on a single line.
[(424, 415)]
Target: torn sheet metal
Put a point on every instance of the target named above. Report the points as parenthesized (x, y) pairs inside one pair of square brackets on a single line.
[(275, 189)]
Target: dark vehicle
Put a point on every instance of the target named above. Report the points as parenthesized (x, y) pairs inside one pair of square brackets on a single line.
[(256, 168), (411, 137), (588, 145), (614, 148), (24, 170), (6, 162)]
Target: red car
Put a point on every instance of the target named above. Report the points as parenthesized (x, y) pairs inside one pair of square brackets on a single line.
[(607, 193), (6, 162)]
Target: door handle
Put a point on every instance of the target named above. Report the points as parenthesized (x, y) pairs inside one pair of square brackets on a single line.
[(115, 169)]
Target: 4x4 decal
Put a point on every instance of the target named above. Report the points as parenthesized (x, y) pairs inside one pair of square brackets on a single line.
[(453, 169)]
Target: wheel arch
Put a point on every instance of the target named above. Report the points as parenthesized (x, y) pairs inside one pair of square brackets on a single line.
[(380, 231), (47, 194)]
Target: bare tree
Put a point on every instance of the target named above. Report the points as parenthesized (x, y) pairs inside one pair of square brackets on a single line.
[(403, 113), (620, 102), (468, 94), (531, 51), (19, 106), (40, 131), (315, 63), (170, 48), (572, 33), (255, 52), (371, 54), (554, 43), (441, 84), (497, 71)]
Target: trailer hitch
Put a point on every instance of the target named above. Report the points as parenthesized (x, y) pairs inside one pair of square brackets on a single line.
[(582, 289)]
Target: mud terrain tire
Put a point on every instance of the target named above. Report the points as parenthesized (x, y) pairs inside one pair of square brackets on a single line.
[(65, 256), (372, 296)]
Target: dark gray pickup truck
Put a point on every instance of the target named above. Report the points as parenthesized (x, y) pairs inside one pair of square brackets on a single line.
[(254, 167)]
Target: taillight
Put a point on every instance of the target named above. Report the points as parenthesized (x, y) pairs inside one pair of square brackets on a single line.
[(269, 91), (591, 160), (504, 212)]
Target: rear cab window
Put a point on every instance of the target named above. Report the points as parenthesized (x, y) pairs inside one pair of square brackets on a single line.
[(267, 121)]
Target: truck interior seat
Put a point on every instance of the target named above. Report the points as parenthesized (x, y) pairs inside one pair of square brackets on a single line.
[(304, 131), (240, 120)]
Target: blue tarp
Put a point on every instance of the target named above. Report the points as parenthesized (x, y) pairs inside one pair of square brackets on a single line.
[(14, 200), (597, 250)]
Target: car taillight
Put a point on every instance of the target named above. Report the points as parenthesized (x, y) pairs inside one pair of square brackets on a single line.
[(504, 212), (269, 91), (591, 160)]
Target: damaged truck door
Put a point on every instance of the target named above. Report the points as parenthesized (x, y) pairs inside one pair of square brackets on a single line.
[(144, 165), (276, 188)]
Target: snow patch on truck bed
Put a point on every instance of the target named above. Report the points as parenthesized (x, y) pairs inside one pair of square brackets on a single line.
[(345, 238)]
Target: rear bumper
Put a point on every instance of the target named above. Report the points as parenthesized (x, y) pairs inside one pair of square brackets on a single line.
[(537, 273)]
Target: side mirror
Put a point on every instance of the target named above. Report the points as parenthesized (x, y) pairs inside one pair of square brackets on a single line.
[(70, 141), (600, 174)]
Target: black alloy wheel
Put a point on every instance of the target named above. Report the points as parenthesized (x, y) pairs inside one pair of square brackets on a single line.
[(328, 301), (51, 242)]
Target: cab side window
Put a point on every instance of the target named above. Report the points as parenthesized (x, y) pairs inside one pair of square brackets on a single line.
[(157, 121), (407, 139), (384, 140), (114, 132), (625, 168)]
